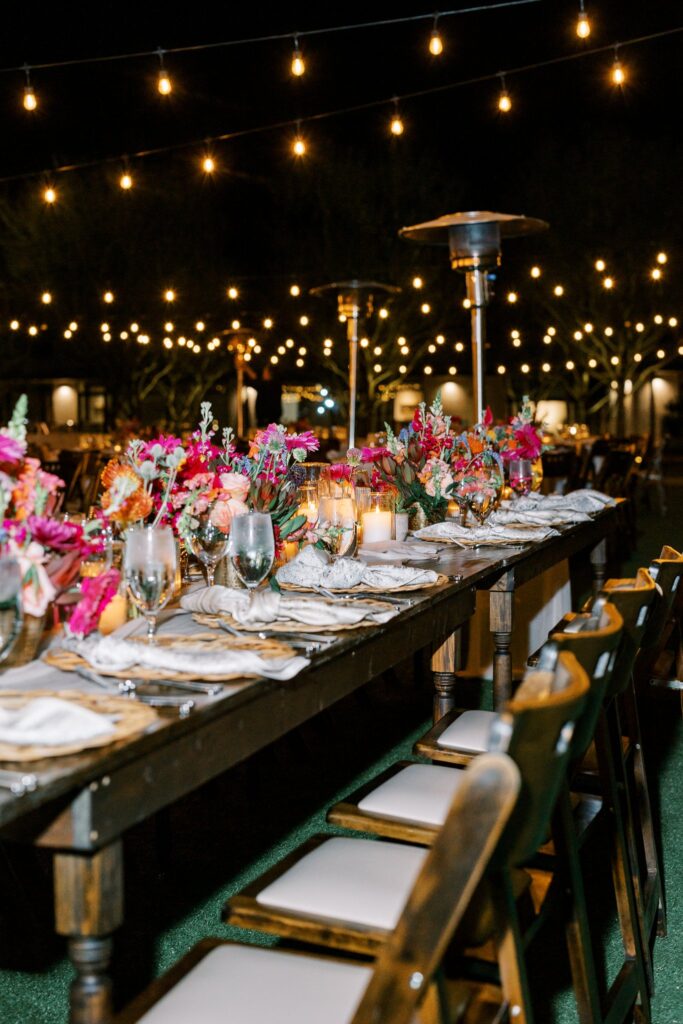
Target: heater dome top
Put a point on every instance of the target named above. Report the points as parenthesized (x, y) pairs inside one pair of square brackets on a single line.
[(437, 232)]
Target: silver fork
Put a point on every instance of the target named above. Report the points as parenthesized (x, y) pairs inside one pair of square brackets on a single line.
[(127, 686), (307, 639), (388, 598)]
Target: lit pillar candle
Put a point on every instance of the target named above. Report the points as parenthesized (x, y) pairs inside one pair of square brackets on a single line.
[(376, 526)]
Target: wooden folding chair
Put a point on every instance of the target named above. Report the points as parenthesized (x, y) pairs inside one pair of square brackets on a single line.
[(346, 893), (218, 982)]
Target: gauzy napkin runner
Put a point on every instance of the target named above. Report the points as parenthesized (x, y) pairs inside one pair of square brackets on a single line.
[(49, 721), (471, 537), (313, 568), (117, 654), (266, 607), (576, 501)]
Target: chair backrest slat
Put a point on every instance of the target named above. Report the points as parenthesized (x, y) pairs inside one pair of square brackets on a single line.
[(442, 892), (666, 571), (634, 599), (536, 730)]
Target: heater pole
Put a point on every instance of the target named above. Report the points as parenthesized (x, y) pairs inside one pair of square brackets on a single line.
[(477, 293), (352, 335)]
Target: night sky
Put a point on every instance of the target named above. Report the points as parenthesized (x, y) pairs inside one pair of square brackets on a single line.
[(602, 165)]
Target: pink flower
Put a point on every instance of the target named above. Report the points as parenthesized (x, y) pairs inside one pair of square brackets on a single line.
[(222, 513), (97, 593), (58, 536), (340, 471), (530, 444), (308, 441), (193, 483), (11, 450), (236, 485), (373, 454)]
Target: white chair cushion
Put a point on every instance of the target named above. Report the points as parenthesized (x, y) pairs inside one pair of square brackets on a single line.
[(248, 985), (420, 794), (469, 732), (355, 881)]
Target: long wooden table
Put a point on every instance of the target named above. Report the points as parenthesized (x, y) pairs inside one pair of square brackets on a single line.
[(85, 803)]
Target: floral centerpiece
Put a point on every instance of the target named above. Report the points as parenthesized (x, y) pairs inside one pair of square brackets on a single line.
[(49, 552), (417, 462), (173, 482)]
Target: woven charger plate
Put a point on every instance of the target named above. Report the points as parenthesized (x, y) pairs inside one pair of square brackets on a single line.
[(69, 661), (291, 626), (131, 719), (363, 588)]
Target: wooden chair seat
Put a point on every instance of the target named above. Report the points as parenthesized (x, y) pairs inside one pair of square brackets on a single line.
[(260, 986), (220, 982)]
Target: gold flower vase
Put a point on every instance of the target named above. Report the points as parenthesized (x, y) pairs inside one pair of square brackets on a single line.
[(27, 644)]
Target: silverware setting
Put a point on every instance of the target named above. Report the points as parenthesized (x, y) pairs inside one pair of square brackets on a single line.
[(387, 598), (18, 783), (130, 688), (306, 641)]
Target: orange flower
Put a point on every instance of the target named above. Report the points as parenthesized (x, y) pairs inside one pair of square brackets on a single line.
[(137, 506), (476, 446)]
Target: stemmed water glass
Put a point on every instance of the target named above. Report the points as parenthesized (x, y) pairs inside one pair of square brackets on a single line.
[(252, 547), (338, 525), (11, 614), (149, 565), (209, 544)]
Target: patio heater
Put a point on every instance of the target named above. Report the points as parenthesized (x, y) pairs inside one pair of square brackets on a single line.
[(238, 344), (474, 240), (354, 302)]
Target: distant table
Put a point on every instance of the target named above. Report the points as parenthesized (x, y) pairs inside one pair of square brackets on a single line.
[(85, 803)]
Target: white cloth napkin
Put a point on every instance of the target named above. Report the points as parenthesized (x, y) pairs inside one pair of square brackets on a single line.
[(120, 654), (268, 607), (539, 514), (576, 501), (396, 550), (49, 721), (487, 534), (313, 568)]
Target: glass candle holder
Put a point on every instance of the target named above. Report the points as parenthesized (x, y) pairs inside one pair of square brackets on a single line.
[(377, 522), (308, 503)]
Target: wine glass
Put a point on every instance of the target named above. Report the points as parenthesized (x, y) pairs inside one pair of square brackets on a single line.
[(521, 476), (149, 564), (11, 613), (337, 525), (252, 547), (209, 544)]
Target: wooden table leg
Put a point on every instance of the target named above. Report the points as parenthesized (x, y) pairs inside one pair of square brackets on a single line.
[(88, 908), (445, 663), (501, 601), (599, 563)]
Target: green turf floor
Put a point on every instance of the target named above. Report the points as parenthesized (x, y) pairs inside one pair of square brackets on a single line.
[(182, 865)]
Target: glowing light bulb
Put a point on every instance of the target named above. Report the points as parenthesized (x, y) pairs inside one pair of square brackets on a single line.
[(661, 354), (73, 326), (134, 328), (233, 292), (299, 363), (289, 343), (673, 322), (618, 74), (431, 349), (525, 367), (459, 347), (435, 42), (640, 327), (377, 350), (268, 323), (504, 100), (570, 364), (299, 146), (14, 325), (592, 363), (377, 367), (609, 331), (440, 340), (425, 308), (578, 335), (403, 368), (208, 165), (200, 326), (659, 319), (600, 265), (588, 328), (104, 328), (295, 291), (547, 340), (364, 342), (30, 99), (169, 295), (516, 342), (33, 330), (535, 271), (608, 283), (169, 327), (126, 181), (656, 274), (452, 370), (552, 331), (662, 257), (512, 297), (167, 343), (638, 358), (428, 370), (108, 297), (501, 370), (304, 321), (50, 195), (164, 84), (46, 298), (396, 126), (298, 63), (583, 25), (235, 325), (417, 282), (614, 360), (383, 314), (558, 290), (302, 350), (546, 367)]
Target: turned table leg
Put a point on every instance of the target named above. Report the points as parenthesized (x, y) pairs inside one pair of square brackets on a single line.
[(445, 663), (88, 908), (501, 601), (599, 563)]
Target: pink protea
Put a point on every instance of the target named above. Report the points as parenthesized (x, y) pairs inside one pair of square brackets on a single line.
[(11, 451), (57, 536)]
